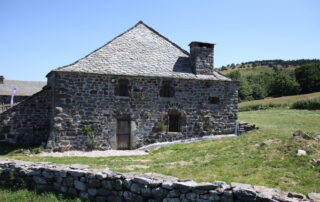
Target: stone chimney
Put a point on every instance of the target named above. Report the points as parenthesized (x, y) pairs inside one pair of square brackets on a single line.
[(1, 79), (201, 56)]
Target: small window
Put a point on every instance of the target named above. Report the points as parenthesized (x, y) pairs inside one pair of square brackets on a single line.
[(123, 89), (174, 123), (214, 100), (167, 90)]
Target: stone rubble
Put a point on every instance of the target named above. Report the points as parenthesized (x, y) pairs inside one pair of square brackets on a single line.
[(104, 185)]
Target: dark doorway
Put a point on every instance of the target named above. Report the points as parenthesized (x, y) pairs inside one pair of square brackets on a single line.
[(123, 134), (174, 123)]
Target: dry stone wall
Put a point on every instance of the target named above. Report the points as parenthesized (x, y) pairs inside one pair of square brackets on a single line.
[(105, 185), (88, 99), (27, 123)]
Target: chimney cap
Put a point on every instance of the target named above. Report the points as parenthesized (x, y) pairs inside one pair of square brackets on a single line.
[(201, 44)]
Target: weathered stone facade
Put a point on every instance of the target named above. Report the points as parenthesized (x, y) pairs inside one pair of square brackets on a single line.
[(27, 123), (82, 99), (139, 88), (105, 185)]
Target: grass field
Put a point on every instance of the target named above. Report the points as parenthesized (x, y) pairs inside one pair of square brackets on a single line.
[(10, 195), (285, 100), (238, 159)]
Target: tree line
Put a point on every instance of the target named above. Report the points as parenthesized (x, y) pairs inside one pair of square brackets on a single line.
[(304, 79)]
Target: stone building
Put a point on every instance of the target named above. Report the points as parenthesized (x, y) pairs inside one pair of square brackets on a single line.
[(24, 89), (137, 89)]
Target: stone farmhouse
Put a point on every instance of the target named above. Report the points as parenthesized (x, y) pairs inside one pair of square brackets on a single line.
[(139, 88)]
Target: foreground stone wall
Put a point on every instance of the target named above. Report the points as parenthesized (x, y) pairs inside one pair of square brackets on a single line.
[(105, 185), (27, 123), (88, 99)]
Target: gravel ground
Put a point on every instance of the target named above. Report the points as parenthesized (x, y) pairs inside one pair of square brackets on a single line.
[(137, 152), (106, 153)]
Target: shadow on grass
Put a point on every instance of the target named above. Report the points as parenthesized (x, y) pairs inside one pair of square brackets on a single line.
[(37, 195), (7, 149)]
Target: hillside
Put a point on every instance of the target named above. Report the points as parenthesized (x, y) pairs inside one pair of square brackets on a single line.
[(277, 102), (265, 66), (274, 78)]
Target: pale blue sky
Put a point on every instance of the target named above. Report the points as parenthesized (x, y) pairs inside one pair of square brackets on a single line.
[(37, 36)]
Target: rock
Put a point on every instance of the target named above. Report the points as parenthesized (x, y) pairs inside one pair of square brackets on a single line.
[(94, 183), (300, 133), (135, 188), (314, 197), (159, 192), (295, 195), (146, 181), (266, 142), (107, 184), (78, 166), (117, 184), (146, 192), (92, 192), (72, 191), (173, 194), (185, 185), (84, 195), (76, 173), (39, 180), (79, 185), (191, 196), (301, 152), (171, 200), (227, 197), (243, 192), (205, 186), (297, 133), (264, 193)]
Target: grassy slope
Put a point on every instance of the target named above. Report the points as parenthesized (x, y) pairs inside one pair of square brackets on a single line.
[(236, 159), (282, 100)]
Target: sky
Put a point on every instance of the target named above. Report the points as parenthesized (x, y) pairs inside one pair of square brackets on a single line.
[(38, 36)]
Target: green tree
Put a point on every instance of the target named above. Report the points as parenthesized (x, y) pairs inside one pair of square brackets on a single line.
[(308, 76), (284, 84)]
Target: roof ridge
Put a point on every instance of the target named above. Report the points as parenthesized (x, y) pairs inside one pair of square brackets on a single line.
[(139, 22), (165, 38)]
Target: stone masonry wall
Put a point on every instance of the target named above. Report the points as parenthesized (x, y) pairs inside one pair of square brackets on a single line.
[(27, 123), (84, 99), (105, 185)]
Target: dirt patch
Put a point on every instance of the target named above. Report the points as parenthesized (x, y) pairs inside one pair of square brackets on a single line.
[(133, 167)]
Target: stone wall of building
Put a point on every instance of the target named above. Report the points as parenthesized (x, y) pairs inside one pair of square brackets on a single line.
[(105, 185), (88, 99), (27, 123)]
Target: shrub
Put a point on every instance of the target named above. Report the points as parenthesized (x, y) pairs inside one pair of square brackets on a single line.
[(92, 142), (306, 104), (163, 127), (261, 106)]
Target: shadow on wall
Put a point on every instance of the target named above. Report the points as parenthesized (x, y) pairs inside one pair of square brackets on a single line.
[(27, 123)]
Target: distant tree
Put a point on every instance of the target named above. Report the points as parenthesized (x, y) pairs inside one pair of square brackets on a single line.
[(308, 76), (284, 84), (245, 90), (234, 75)]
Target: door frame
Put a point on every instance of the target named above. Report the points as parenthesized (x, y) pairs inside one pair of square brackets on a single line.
[(129, 133)]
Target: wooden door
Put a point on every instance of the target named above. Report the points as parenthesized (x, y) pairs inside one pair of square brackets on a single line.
[(123, 134)]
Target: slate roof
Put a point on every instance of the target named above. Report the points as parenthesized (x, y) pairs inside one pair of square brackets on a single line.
[(23, 88), (140, 51)]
